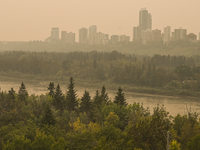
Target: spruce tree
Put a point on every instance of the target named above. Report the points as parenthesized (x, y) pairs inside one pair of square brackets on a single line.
[(85, 104), (47, 117), (96, 99), (120, 98), (11, 94), (104, 96), (71, 96), (58, 99), (10, 99), (51, 89), (22, 93)]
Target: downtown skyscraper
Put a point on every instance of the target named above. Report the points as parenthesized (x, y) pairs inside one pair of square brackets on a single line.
[(143, 31), (145, 19), (83, 36)]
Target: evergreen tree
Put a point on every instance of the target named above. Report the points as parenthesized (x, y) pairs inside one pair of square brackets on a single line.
[(96, 99), (48, 117), (11, 94), (51, 89), (104, 96), (85, 104), (10, 100), (120, 98), (22, 93), (58, 100), (71, 96)]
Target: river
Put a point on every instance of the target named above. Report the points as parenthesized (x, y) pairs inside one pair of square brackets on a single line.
[(174, 105)]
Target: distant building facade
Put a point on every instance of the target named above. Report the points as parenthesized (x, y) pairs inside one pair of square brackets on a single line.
[(55, 33), (124, 38), (136, 34), (64, 36), (145, 19), (180, 34), (114, 39), (192, 37), (156, 35), (54, 36), (92, 35), (71, 37), (67, 37), (146, 36), (167, 35), (83, 36), (142, 33)]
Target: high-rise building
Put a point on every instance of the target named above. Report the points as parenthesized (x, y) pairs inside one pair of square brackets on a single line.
[(167, 36), (70, 37), (67, 37), (92, 35), (156, 35), (114, 39), (55, 33), (64, 36), (83, 35), (136, 34), (93, 29), (146, 36), (180, 34), (145, 19), (100, 37), (142, 33), (192, 37)]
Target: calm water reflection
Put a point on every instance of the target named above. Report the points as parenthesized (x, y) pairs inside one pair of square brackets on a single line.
[(174, 105)]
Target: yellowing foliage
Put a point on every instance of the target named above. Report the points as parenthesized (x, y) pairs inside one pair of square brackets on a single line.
[(78, 126)]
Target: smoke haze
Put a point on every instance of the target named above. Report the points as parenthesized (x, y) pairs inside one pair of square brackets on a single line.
[(25, 20)]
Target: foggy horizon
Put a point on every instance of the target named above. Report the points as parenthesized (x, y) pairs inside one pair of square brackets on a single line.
[(33, 20)]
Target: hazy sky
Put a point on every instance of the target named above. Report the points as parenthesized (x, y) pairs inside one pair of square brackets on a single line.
[(25, 20)]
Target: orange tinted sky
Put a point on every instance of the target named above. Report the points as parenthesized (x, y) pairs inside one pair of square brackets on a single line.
[(24, 20)]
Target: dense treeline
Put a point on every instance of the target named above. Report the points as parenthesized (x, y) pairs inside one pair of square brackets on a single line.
[(162, 72), (58, 121), (183, 46)]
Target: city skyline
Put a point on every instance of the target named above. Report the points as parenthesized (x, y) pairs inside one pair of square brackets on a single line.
[(32, 20)]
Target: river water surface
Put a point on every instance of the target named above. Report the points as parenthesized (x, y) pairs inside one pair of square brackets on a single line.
[(174, 105)]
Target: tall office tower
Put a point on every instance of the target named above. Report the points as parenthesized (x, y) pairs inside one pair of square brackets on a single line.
[(146, 36), (93, 29), (180, 34), (70, 37), (100, 37), (136, 34), (156, 35), (145, 19), (114, 39), (55, 33), (106, 38), (167, 32), (83, 34), (64, 36), (92, 35)]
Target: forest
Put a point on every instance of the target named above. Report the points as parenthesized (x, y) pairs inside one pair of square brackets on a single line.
[(61, 121), (179, 47), (159, 74)]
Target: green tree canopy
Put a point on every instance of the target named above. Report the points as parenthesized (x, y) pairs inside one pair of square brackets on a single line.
[(71, 96)]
